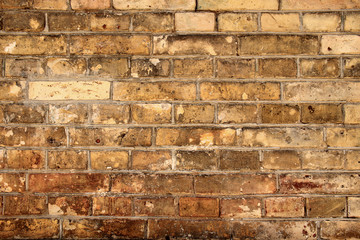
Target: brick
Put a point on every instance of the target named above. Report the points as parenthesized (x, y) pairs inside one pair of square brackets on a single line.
[(109, 67), (340, 44), (322, 160), (109, 160), (327, 183), (282, 137), (154, 4), (89, 4), (277, 68), (278, 45), (25, 159), (12, 182), (110, 136), (353, 206), (29, 228), (67, 159), (321, 22), (66, 67), (111, 206), (352, 160), (186, 113), (153, 91), (102, 22), (195, 22), (110, 114), (280, 160), (319, 4), (280, 22), (237, 22), (25, 205), (196, 160), (321, 113), (234, 184), (322, 91), (320, 68), (151, 160), (235, 68), (237, 113), (155, 206), (68, 182), (351, 22), (69, 205), (152, 67), (340, 229), (239, 161), (109, 44), (284, 207), (195, 136), (12, 91), (152, 184), (33, 45), (352, 67), (277, 114), (24, 68), (15, 4), (75, 90), (23, 21), (343, 137), (198, 207), (33, 136), (234, 5), (151, 113), (59, 22), (325, 207), (53, 5), (14, 113), (71, 113), (240, 208), (153, 22), (193, 68), (194, 45), (239, 91), (104, 228)]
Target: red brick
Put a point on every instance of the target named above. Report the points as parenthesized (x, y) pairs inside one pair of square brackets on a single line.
[(25, 205), (69, 205), (12, 182), (111, 206), (155, 206), (29, 228), (199, 207)]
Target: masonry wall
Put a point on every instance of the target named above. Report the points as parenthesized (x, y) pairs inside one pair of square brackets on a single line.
[(159, 119)]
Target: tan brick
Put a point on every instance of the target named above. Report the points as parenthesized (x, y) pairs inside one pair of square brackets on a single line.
[(343, 137), (71, 113), (25, 205), (276, 113), (20, 228), (196, 160), (278, 45), (340, 44), (153, 22), (277, 68), (284, 207), (322, 160), (321, 22), (89, 4), (14, 113), (153, 91), (152, 184), (75, 90), (53, 5), (109, 44), (25, 159), (352, 22), (325, 207), (69, 205), (110, 114), (240, 208), (193, 68), (12, 182), (24, 68), (59, 22), (282, 137), (68, 182), (198, 207), (66, 67), (195, 22), (2, 117), (319, 4), (151, 113), (152, 67), (151, 160), (109, 67), (234, 5), (15, 4), (111, 206), (321, 113), (340, 229), (110, 137), (12, 91), (194, 45), (154, 4), (237, 22), (67, 159), (239, 161), (109, 160), (234, 184), (280, 22), (237, 113), (353, 206), (320, 68), (352, 160), (186, 113), (280, 160), (23, 21), (155, 206), (239, 91), (352, 68), (235, 68), (102, 22)]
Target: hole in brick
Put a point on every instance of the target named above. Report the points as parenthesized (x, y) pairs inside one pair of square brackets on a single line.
[(51, 140), (167, 238), (104, 26), (98, 140), (311, 109), (329, 48)]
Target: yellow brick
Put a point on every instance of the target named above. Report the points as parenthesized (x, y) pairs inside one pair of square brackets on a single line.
[(352, 160), (201, 22), (186, 113), (277, 22), (151, 113), (352, 114), (319, 4), (233, 5), (110, 114), (321, 22), (109, 22), (352, 22), (154, 4), (343, 137), (108, 160), (237, 22), (340, 44)]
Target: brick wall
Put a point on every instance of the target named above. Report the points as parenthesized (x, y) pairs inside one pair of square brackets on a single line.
[(180, 118)]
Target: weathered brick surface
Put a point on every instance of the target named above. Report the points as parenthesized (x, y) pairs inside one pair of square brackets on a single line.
[(25, 205), (153, 22), (196, 160), (325, 207), (155, 206), (340, 229), (64, 114), (109, 22), (240, 208), (112, 206), (284, 207), (199, 207), (69, 205), (155, 4), (320, 68), (194, 113), (108, 160), (29, 228), (67, 159), (195, 22), (23, 22), (25, 159), (151, 160), (234, 22), (289, 22), (319, 5), (321, 22), (230, 5)]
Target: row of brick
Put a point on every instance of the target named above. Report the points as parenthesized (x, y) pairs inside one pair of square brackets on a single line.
[(179, 22)]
